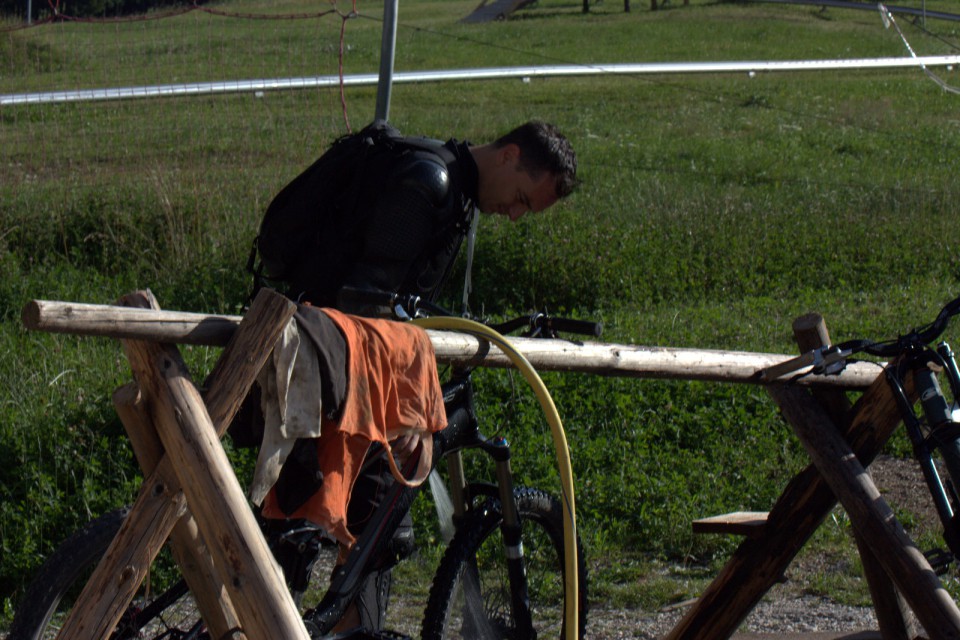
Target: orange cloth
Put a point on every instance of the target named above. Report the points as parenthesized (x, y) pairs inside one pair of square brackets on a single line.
[(392, 389)]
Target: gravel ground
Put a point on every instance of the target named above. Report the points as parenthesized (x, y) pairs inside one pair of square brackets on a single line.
[(786, 608), (803, 614)]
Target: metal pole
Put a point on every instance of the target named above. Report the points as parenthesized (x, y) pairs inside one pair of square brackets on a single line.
[(388, 45), (29, 11)]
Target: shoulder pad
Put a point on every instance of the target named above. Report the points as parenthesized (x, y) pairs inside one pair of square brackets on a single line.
[(428, 176)]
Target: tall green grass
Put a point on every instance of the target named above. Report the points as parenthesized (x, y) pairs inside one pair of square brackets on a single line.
[(713, 210)]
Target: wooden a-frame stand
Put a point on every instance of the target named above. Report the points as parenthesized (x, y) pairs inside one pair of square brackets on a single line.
[(217, 544), (191, 496), (841, 441)]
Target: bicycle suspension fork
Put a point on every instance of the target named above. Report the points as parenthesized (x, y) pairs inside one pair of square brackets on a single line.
[(461, 396), (943, 434), (511, 529), (510, 526)]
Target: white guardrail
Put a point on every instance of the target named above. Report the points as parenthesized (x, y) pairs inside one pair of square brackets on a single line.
[(497, 73)]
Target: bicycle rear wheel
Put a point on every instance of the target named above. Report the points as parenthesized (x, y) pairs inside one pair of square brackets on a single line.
[(470, 596), (156, 612)]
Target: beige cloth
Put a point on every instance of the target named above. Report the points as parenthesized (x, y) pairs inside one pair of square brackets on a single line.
[(290, 401)]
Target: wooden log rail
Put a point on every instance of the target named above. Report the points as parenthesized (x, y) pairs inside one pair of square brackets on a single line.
[(451, 348)]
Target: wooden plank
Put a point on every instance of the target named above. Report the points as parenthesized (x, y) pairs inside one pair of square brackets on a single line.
[(744, 523), (894, 620), (455, 348), (871, 515)]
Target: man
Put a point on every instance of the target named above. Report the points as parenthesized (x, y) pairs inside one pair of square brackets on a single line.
[(402, 233), (405, 230)]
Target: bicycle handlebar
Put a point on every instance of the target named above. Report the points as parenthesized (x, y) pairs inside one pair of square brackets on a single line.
[(831, 359), (406, 306), (915, 338), (542, 325)]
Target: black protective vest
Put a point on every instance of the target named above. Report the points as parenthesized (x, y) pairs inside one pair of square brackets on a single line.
[(402, 235)]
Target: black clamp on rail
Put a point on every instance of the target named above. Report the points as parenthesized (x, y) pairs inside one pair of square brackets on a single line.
[(541, 325), (828, 360)]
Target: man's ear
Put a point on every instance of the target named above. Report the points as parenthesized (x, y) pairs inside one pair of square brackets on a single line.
[(508, 153)]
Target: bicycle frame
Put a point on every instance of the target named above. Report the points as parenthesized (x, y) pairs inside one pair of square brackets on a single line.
[(936, 430), (462, 432)]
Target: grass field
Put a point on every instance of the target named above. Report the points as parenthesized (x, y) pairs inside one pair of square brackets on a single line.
[(714, 209)]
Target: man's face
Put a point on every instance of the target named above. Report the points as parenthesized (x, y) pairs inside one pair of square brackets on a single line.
[(510, 191)]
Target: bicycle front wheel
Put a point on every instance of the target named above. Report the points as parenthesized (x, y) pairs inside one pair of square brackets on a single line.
[(471, 595), (155, 612)]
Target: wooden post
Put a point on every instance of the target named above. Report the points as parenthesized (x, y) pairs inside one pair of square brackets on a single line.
[(871, 516), (188, 548), (111, 588), (161, 502), (810, 332), (239, 552), (758, 563), (893, 618)]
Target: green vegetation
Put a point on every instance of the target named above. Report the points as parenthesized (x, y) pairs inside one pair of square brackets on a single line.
[(82, 8), (714, 209)]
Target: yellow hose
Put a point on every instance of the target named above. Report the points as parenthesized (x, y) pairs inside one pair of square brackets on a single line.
[(571, 587)]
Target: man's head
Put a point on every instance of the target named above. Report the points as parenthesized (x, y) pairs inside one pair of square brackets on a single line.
[(528, 169)]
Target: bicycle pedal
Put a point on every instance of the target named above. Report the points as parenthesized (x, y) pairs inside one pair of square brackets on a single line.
[(939, 560)]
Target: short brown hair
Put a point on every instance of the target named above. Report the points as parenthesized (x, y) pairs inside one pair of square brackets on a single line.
[(544, 148)]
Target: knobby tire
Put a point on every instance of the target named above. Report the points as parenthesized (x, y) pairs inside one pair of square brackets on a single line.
[(48, 599), (475, 559)]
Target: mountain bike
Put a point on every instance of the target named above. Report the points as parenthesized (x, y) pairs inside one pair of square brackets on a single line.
[(934, 430), (502, 574)]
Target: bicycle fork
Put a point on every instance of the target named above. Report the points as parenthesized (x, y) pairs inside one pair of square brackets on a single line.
[(944, 435), (510, 527)]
